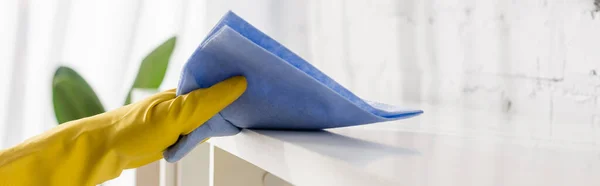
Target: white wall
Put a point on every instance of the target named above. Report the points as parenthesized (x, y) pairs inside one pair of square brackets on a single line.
[(537, 58)]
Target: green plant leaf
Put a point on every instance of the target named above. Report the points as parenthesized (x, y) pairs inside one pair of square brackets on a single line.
[(153, 68), (73, 98)]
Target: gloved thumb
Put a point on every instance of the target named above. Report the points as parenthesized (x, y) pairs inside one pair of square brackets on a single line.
[(195, 108)]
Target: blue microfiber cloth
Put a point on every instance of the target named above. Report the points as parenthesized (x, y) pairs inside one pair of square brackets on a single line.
[(284, 91)]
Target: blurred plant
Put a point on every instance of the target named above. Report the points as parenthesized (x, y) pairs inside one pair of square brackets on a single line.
[(73, 98)]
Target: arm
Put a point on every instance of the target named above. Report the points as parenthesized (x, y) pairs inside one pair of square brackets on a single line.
[(92, 150)]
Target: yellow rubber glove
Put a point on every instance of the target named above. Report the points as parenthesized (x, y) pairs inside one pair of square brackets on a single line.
[(92, 150)]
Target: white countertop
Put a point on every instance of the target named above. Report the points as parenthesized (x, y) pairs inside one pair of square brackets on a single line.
[(445, 146)]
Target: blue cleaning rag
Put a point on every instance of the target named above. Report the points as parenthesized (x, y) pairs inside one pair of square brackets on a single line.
[(284, 91)]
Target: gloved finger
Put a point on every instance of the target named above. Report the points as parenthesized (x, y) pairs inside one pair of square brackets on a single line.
[(163, 96), (200, 105)]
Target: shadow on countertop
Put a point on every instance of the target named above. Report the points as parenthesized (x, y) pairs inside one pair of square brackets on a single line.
[(338, 146)]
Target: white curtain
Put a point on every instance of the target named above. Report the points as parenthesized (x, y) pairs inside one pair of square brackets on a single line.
[(525, 57), (103, 40)]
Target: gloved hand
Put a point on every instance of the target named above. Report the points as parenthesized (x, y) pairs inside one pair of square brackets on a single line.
[(92, 150)]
